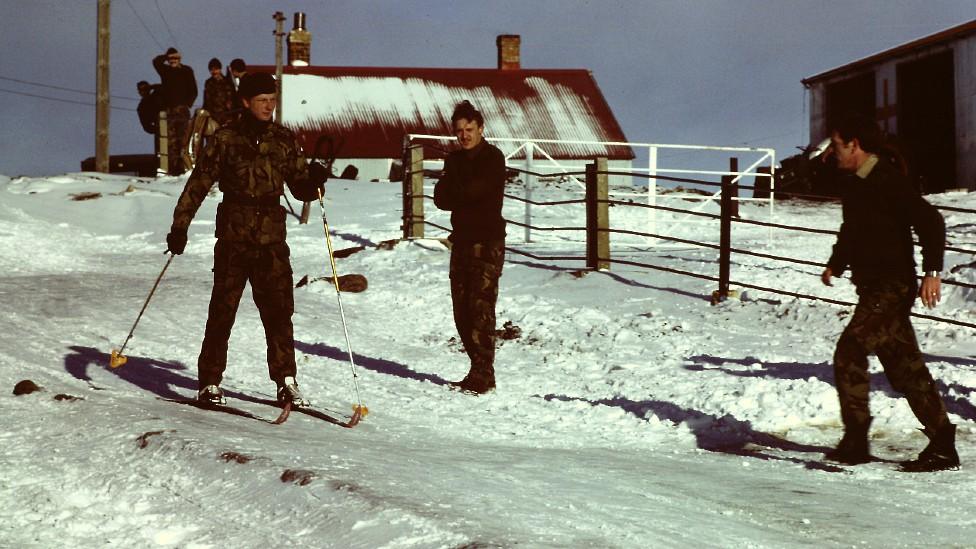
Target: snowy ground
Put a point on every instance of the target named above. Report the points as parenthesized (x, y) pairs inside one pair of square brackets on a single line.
[(629, 412)]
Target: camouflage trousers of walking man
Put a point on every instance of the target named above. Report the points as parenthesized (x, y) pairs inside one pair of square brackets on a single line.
[(268, 269), (475, 269), (881, 325)]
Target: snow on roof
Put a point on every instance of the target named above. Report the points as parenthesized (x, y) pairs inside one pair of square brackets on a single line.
[(369, 110)]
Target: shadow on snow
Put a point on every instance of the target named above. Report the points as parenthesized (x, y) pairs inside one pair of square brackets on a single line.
[(958, 403)]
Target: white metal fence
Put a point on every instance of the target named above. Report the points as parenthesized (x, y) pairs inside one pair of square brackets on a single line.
[(704, 161)]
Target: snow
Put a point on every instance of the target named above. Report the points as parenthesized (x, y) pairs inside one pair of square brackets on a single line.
[(629, 413)]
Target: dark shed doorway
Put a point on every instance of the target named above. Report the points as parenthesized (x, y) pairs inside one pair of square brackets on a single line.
[(853, 95), (927, 120)]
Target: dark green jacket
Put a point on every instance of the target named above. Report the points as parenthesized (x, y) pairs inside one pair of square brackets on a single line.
[(472, 189), (875, 239), (252, 161)]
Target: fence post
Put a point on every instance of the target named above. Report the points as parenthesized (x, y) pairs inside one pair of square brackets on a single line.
[(597, 216), (529, 180), (725, 234), (652, 191), (162, 130), (413, 191)]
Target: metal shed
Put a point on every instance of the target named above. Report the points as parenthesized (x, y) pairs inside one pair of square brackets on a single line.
[(923, 93)]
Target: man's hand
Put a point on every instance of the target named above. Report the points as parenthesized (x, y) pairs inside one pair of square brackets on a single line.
[(318, 174), (930, 291), (825, 277), (175, 242)]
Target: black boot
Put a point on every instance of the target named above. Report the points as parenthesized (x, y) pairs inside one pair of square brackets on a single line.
[(939, 455), (853, 447)]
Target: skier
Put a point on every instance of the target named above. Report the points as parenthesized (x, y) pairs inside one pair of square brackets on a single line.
[(179, 89), (471, 188), (880, 209), (251, 159)]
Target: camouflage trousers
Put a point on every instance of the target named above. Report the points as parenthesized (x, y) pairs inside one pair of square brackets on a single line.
[(268, 269), (177, 123), (881, 326), (475, 269)]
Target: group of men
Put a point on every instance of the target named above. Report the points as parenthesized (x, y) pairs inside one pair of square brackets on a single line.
[(253, 159), (175, 95)]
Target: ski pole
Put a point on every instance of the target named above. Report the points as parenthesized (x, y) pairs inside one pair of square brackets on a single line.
[(359, 411), (118, 359)]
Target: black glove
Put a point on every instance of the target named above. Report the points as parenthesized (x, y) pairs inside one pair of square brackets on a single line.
[(318, 174), (176, 242)]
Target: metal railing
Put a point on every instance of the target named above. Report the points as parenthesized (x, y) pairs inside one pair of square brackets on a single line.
[(537, 162)]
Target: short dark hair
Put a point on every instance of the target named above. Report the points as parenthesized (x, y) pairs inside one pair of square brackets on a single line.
[(865, 130), (142, 84), (466, 110), (214, 64), (238, 65)]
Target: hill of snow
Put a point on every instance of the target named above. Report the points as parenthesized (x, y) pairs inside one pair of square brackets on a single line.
[(629, 412)]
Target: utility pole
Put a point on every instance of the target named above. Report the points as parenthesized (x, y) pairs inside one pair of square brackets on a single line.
[(279, 35), (101, 87)]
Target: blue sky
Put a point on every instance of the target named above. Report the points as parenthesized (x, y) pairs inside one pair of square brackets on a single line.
[(718, 72)]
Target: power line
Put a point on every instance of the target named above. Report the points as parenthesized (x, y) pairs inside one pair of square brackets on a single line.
[(39, 84), (171, 35), (139, 17), (60, 100)]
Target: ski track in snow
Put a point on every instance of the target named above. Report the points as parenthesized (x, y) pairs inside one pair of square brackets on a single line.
[(628, 413)]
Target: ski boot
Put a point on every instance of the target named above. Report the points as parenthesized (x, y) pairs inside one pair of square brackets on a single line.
[(288, 391), (211, 394)]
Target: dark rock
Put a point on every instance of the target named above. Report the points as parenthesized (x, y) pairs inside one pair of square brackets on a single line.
[(25, 387)]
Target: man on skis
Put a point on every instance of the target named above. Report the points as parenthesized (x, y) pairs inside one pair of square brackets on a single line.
[(472, 189), (251, 160), (880, 209)]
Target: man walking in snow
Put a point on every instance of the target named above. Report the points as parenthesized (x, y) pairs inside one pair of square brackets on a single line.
[(880, 209), (179, 89), (471, 188), (251, 159)]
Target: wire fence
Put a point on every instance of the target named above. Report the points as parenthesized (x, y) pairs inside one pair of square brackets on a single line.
[(654, 235)]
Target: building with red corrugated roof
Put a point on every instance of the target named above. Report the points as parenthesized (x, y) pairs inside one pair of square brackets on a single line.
[(365, 112)]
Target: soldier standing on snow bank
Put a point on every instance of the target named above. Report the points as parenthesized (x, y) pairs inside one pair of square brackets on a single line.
[(880, 209), (179, 89), (218, 93), (471, 188), (252, 159)]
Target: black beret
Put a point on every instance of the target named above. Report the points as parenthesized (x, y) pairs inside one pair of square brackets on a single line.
[(256, 84)]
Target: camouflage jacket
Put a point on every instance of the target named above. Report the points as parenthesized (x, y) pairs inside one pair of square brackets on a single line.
[(252, 161), (218, 96)]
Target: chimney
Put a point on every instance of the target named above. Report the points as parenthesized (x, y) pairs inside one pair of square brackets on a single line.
[(299, 43), (509, 54)]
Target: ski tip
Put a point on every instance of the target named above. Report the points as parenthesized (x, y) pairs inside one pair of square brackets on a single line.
[(358, 413), (360, 410), (117, 359), (285, 412)]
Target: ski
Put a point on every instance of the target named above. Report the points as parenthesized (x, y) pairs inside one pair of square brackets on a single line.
[(319, 414), (285, 411), (231, 410)]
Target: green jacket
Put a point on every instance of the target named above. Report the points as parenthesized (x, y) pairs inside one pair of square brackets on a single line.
[(251, 161)]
